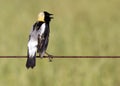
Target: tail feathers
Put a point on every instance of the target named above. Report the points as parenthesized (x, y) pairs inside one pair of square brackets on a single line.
[(31, 62)]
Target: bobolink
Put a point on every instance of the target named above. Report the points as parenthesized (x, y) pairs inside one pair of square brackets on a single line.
[(38, 38)]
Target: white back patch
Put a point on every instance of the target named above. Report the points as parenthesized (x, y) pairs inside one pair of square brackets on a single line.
[(32, 47), (42, 29)]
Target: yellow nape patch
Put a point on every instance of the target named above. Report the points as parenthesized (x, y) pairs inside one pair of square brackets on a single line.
[(41, 17)]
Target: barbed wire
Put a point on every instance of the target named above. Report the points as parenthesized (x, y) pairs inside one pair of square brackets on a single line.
[(63, 57)]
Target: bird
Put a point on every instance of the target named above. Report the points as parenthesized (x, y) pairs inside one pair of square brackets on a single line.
[(38, 39)]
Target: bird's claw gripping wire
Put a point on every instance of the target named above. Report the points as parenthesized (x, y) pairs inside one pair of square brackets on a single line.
[(49, 56)]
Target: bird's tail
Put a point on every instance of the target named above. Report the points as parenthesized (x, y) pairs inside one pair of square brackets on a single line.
[(31, 62)]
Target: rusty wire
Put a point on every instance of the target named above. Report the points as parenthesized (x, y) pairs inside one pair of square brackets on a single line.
[(63, 57)]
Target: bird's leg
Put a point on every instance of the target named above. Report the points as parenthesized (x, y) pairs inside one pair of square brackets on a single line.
[(49, 56)]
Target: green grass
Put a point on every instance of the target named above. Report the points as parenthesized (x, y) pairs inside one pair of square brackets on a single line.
[(80, 27)]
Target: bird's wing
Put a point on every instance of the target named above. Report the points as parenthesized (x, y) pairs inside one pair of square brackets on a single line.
[(33, 40), (43, 39)]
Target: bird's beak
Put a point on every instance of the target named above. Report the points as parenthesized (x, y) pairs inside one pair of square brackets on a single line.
[(51, 16)]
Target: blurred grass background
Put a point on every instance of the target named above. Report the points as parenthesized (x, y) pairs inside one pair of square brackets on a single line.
[(80, 27)]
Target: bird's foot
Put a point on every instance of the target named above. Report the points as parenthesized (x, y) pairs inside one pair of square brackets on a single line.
[(50, 57)]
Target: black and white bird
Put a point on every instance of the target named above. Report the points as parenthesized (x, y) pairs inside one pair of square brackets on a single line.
[(38, 38)]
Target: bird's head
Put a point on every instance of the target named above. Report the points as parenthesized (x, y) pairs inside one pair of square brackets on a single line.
[(45, 16)]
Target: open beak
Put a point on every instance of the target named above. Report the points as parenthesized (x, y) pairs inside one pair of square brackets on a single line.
[(51, 16)]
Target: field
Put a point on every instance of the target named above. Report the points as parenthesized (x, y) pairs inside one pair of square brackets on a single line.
[(79, 28)]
